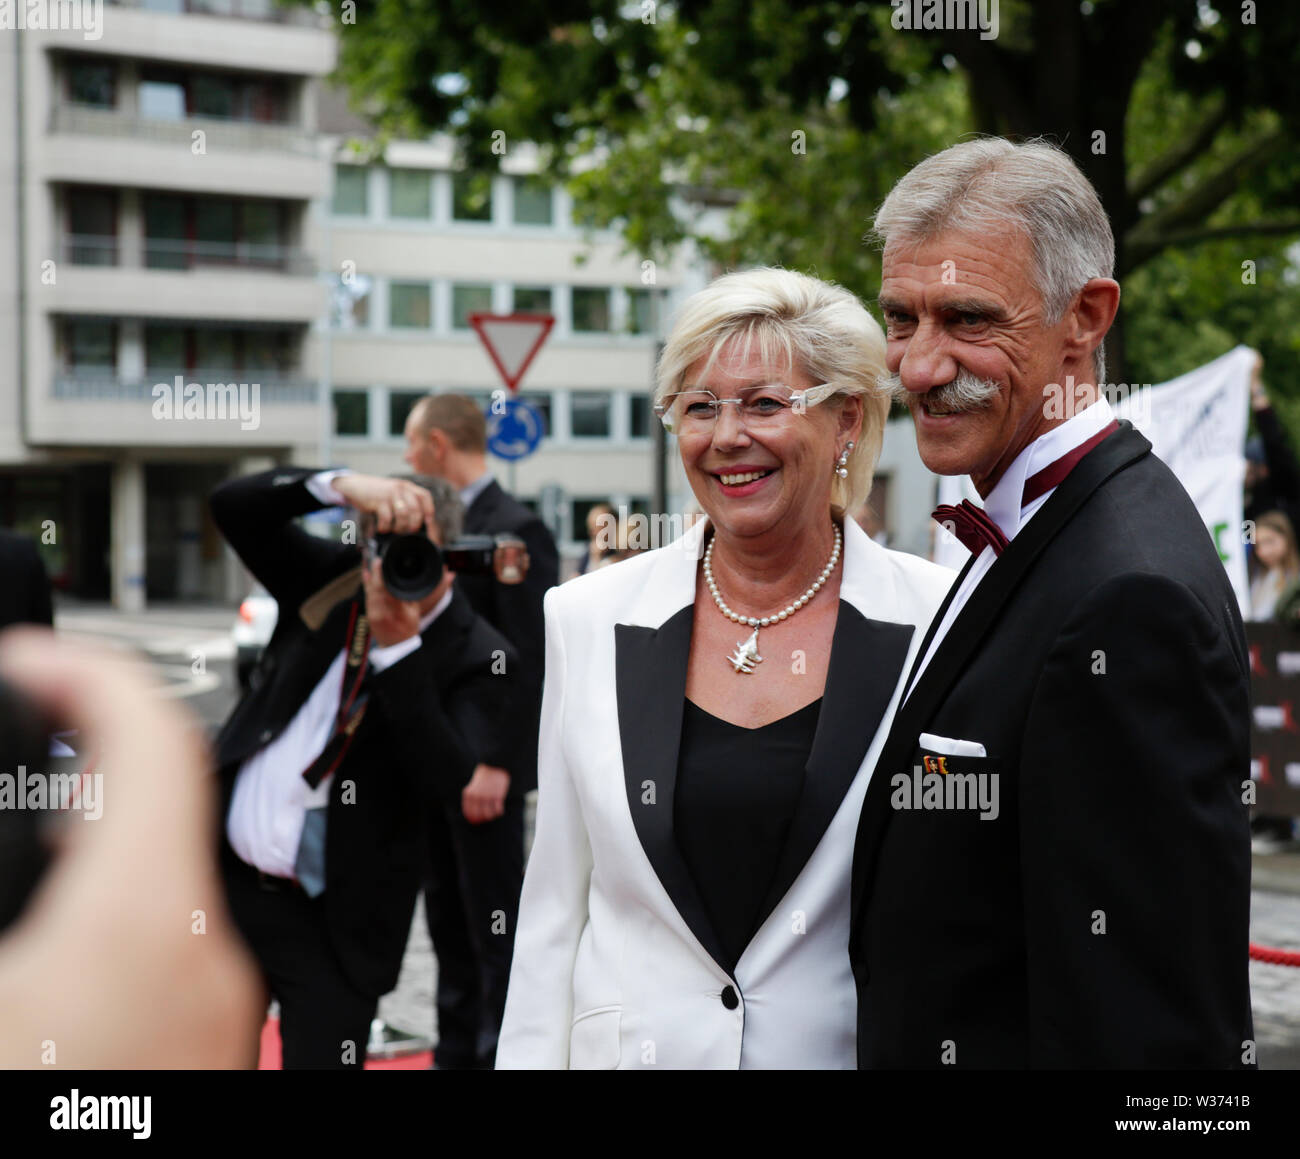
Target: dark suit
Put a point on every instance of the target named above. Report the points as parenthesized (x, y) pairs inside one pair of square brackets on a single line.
[(428, 715), (24, 584), (1101, 919), (476, 871)]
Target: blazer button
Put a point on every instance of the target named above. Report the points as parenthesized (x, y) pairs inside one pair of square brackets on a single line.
[(729, 998), (266, 735)]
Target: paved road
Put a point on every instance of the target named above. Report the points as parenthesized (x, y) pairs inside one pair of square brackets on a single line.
[(191, 648)]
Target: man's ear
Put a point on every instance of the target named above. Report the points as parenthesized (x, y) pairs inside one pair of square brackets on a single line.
[(1089, 317), (439, 441)]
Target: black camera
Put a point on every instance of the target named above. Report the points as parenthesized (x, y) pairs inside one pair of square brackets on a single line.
[(413, 564), (24, 850)]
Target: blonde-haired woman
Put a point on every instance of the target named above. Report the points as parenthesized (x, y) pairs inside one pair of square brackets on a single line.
[(1278, 561), (713, 709)]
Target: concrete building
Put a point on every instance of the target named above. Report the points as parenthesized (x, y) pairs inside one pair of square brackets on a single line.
[(160, 178), (421, 246), (207, 279)]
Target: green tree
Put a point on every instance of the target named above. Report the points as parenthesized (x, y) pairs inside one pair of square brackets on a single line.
[(793, 119)]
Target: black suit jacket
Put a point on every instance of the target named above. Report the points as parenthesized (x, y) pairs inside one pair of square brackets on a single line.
[(24, 584), (428, 716), (1101, 920), (516, 612)]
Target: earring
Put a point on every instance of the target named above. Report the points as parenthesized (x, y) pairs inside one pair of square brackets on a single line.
[(842, 467)]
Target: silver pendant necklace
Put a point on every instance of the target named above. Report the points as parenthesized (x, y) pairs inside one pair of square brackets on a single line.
[(746, 654)]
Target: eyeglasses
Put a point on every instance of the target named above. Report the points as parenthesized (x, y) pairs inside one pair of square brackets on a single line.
[(758, 406)]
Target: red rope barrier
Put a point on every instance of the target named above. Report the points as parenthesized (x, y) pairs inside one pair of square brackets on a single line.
[(1274, 956)]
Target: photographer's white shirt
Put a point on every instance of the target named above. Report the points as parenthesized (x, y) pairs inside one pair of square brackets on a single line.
[(271, 799)]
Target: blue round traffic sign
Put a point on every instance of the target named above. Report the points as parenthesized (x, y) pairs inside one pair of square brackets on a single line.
[(515, 430)]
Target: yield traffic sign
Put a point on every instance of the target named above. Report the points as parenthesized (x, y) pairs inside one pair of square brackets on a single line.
[(512, 341)]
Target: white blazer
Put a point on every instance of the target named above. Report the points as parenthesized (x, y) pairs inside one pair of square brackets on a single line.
[(615, 960)]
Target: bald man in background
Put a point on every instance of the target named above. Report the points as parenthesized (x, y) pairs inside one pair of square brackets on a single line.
[(476, 866)]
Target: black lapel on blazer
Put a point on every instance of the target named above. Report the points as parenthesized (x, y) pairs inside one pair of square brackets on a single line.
[(866, 660), (650, 674), (974, 621)]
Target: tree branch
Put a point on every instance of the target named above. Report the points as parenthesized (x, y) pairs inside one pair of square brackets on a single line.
[(1176, 159), (1143, 249)]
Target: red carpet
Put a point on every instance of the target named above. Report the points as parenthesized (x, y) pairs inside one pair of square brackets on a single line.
[(270, 1055)]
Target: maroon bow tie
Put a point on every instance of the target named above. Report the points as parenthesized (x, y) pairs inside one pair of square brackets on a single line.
[(975, 527)]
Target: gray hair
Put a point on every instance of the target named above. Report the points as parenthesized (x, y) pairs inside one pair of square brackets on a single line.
[(448, 510), (1034, 187), (786, 317)]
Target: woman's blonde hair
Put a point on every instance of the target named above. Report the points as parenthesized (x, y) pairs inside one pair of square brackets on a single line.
[(1279, 521), (811, 326)]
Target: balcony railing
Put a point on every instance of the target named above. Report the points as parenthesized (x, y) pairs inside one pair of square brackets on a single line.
[(264, 10), (87, 120), (171, 254), (106, 385)]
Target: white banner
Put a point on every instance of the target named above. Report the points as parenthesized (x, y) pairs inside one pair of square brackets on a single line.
[(1197, 425)]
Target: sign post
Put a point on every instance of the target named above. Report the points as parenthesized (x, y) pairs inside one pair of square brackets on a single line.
[(512, 342)]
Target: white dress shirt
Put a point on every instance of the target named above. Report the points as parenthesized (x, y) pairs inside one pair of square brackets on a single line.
[(1003, 503), (271, 799)]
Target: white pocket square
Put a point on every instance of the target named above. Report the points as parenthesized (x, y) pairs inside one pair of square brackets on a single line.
[(949, 747)]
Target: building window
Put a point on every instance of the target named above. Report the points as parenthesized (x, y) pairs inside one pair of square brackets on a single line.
[(409, 305), (589, 414), (471, 196), (93, 83), (351, 184), (162, 99), (351, 412), (92, 227), (91, 346), (215, 352), (532, 202), (167, 94), (400, 405), (590, 310), (638, 416), (542, 403), (640, 311), (533, 299), (467, 300), (181, 232), (409, 194)]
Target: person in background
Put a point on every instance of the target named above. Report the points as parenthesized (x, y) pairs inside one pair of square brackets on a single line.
[(476, 852), (1277, 561), (365, 713), (24, 583), (1272, 473), (600, 538)]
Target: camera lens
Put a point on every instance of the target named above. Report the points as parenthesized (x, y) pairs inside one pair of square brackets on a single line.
[(412, 565)]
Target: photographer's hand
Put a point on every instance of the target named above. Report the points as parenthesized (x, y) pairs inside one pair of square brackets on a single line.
[(125, 956), (398, 506), (484, 798)]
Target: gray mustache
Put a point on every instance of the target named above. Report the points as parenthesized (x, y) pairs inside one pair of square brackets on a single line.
[(965, 392)]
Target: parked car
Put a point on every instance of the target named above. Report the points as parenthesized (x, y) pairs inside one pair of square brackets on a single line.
[(252, 631)]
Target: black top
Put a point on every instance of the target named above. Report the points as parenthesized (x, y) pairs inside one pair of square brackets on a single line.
[(737, 789)]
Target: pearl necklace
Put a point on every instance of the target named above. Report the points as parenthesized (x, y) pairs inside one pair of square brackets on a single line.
[(746, 654)]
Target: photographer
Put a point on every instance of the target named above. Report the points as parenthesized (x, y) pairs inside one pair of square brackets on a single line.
[(363, 712)]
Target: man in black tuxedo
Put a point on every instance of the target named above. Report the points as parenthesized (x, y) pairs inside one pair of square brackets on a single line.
[(24, 583), (363, 712), (1053, 863), (476, 868)]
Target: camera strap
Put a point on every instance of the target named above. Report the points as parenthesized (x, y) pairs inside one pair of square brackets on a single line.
[(352, 701)]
